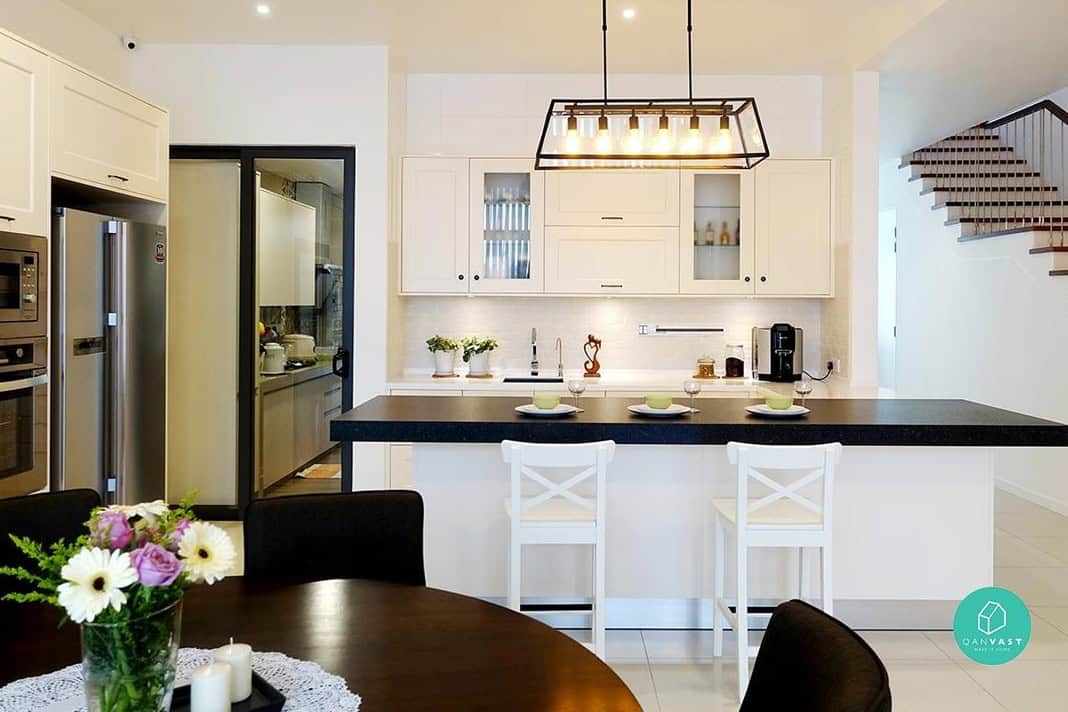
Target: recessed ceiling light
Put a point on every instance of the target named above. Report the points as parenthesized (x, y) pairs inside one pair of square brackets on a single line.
[(629, 13), (263, 9)]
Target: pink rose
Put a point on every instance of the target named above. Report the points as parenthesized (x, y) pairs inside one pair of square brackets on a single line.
[(112, 530), (155, 565)]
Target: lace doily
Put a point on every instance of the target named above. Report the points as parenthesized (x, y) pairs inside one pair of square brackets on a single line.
[(306, 686)]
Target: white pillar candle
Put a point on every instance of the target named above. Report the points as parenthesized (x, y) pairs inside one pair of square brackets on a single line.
[(239, 657), (210, 688)]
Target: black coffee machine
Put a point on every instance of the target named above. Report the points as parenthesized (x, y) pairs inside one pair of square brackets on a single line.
[(777, 353)]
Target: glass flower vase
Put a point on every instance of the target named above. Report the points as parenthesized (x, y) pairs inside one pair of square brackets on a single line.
[(130, 665)]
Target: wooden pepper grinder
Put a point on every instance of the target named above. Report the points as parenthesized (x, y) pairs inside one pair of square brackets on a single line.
[(593, 366)]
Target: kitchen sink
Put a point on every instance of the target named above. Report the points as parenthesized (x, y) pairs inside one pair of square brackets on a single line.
[(533, 379)]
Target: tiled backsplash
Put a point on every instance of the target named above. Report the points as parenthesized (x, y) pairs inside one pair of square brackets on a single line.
[(614, 321)]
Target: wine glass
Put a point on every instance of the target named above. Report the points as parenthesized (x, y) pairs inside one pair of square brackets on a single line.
[(692, 387), (803, 387), (577, 388)]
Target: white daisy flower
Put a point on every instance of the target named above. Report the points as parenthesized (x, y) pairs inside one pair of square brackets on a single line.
[(93, 581), (146, 510), (207, 552)]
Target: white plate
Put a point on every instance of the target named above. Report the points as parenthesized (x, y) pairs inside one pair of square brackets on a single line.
[(560, 410), (672, 411), (762, 410)]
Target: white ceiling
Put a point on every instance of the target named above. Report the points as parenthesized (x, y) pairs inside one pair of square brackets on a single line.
[(307, 170), (730, 36), (966, 62)]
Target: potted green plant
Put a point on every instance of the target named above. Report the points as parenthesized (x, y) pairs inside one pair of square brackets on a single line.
[(444, 350), (476, 354)]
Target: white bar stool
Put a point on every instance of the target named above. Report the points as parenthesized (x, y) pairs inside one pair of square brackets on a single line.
[(781, 515), (557, 514)]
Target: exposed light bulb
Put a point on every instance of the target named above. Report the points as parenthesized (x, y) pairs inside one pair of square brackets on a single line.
[(603, 143), (634, 124), (695, 125), (664, 129), (722, 143), (602, 125), (724, 125), (572, 126)]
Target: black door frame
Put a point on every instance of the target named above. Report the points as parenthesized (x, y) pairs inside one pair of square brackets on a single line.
[(247, 314)]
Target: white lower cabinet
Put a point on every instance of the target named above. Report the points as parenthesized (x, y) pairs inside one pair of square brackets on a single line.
[(619, 260), (296, 425), (107, 137)]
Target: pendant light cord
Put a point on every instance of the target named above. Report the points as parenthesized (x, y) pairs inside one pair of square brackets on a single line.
[(689, 44), (604, 47)]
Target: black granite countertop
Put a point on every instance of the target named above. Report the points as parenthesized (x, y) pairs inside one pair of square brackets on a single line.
[(871, 422)]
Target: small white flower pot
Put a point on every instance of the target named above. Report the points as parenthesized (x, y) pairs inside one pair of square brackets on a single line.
[(444, 363), (479, 364)]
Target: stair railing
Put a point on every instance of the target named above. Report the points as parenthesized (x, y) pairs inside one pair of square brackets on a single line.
[(1009, 172)]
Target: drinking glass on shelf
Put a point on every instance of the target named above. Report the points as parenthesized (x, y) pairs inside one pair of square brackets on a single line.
[(577, 388), (803, 387), (692, 387)]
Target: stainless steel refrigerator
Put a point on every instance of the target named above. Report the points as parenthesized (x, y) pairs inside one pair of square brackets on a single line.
[(109, 325)]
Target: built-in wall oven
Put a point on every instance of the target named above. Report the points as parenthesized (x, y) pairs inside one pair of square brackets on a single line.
[(23, 280), (23, 416)]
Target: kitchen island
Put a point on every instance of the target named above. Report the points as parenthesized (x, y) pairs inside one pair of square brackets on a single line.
[(913, 512)]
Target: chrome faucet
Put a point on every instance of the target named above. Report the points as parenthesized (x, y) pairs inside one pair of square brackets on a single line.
[(533, 352), (559, 357)]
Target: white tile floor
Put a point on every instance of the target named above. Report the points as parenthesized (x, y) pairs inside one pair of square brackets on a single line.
[(674, 671)]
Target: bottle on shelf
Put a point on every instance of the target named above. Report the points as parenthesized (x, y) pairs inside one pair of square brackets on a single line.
[(724, 234), (710, 234), (696, 234)]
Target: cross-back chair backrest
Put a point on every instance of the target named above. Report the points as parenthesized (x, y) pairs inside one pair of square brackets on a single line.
[(530, 460), (786, 472)]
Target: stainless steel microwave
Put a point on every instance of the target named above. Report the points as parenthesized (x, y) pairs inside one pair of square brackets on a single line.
[(23, 270)]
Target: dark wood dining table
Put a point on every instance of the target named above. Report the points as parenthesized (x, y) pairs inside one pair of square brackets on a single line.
[(398, 647)]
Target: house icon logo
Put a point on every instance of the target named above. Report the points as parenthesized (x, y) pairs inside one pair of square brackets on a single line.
[(992, 618), (992, 625)]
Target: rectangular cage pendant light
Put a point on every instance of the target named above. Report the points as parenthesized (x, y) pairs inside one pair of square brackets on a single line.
[(724, 133), (659, 133)]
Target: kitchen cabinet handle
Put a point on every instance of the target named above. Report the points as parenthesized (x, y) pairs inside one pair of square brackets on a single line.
[(332, 410), (748, 278), (476, 277), (613, 286), (459, 277), (114, 176), (24, 383), (7, 218), (332, 391), (611, 217), (763, 278)]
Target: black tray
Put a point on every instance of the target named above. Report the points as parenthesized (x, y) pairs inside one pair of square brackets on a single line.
[(264, 698)]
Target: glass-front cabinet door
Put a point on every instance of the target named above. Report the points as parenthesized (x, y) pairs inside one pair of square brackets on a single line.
[(506, 225), (716, 232)]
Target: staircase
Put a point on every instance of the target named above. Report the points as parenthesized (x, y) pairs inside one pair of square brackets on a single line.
[(1003, 177)]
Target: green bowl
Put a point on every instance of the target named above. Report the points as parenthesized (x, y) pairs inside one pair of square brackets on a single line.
[(546, 401), (660, 401), (778, 401)]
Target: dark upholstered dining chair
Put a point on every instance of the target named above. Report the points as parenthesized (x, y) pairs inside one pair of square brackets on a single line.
[(45, 518), (370, 535), (812, 662)]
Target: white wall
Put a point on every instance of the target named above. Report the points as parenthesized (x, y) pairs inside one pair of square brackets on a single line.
[(982, 320), (62, 30), (502, 114), (294, 95), (851, 137)]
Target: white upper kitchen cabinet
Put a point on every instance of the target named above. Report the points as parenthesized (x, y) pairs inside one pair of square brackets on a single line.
[(612, 260), (104, 136), (794, 236), (716, 242), (612, 198), (286, 251), (434, 228), (506, 226), (24, 144)]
